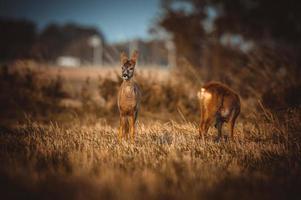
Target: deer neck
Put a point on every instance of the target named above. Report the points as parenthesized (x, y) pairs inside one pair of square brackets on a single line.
[(128, 88), (128, 82)]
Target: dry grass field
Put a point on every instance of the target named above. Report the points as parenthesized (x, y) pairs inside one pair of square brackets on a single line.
[(58, 138)]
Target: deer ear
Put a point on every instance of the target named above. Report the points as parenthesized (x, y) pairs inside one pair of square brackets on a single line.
[(134, 56), (123, 58)]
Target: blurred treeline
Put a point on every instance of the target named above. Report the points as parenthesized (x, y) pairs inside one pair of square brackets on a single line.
[(20, 39), (228, 29)]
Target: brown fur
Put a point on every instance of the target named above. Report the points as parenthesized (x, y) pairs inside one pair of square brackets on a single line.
[(128, 99), (219, 104)]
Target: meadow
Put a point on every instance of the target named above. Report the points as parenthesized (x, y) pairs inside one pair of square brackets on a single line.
[(58, 136)]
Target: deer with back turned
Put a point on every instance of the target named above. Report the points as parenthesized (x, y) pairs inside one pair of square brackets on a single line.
[(218, 104), (129, 97)]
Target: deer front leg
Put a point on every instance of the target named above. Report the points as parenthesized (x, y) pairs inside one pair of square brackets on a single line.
[(121, 127), (132, 127), (201, 130)]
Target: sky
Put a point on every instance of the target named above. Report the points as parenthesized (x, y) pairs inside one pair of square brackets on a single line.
[(117, 20)]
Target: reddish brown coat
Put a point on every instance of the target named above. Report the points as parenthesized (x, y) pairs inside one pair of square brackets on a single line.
[(129, 97), (219, 104)]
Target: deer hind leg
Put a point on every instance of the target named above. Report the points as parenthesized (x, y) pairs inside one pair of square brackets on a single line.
[(201, 124), (232, 122), (202, 130), (206, 126), (219, 125), (132, 127), (203, 119)]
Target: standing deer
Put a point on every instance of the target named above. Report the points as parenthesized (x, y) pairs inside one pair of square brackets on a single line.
[(128, 97), (219, 104)]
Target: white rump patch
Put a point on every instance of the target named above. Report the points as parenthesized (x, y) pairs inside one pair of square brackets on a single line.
[(204, 95), (201, 93)]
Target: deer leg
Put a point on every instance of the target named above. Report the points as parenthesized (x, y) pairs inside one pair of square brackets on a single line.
[(126, 127), (232, 124), (201, 131), (132, 127), (206, 125), (121, 127), (202, 123), (201, 128), (219, 125)]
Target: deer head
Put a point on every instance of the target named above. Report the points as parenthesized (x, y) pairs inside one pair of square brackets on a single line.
[(128, 65)]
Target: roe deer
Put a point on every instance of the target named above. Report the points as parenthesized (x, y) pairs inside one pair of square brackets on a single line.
[(219, 104), (128, 97)]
